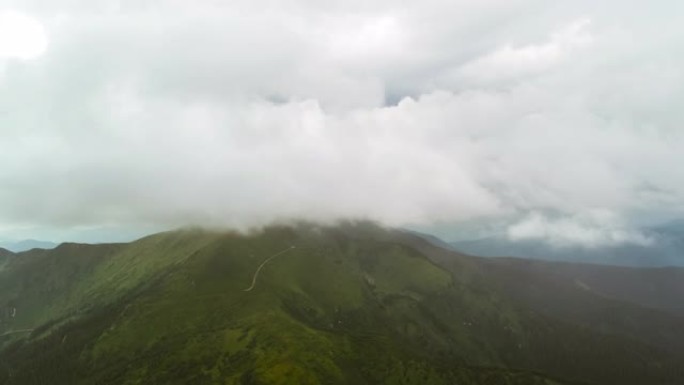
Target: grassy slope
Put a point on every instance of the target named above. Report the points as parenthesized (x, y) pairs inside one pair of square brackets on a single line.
[(351, 304)]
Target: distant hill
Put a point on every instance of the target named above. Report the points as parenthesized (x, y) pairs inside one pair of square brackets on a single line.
[(348, 304), (26, 245)]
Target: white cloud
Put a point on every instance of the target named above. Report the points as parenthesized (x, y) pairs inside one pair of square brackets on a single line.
[(21, 36), (513, 63), (164, 113), (589, 229)]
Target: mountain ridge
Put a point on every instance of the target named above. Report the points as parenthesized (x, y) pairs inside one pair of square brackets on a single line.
[(352, 303)]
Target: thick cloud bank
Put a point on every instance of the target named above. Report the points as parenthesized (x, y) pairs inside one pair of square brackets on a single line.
[(175, 112)]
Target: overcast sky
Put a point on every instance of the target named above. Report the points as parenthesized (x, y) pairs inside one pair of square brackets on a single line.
[(557, 119)]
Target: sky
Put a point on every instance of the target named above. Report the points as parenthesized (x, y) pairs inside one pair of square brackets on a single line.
[(544, 120)]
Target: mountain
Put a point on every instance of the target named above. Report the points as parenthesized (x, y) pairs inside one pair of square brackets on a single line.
[(353, 303), (26, 245), (667, 249)]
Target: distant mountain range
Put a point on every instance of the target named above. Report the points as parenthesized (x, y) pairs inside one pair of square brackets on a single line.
[(26, 244), (353, 303), (667, 249)]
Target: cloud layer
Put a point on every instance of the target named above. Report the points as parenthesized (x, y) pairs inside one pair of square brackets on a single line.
[(589, 229), (170, 113)]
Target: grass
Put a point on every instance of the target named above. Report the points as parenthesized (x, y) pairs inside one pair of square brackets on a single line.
[(351, 304)]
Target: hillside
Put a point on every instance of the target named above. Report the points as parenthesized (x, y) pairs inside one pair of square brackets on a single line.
[(657, 288), (5, 256), (305, 304)]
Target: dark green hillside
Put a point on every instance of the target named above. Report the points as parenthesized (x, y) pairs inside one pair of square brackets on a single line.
[(596, 296), (5, 256), (349, 304), (660, 288)]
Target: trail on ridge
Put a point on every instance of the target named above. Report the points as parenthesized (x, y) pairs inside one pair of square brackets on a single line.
[(256, 273)]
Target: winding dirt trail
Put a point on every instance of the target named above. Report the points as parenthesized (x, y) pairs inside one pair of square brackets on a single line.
[(256, 273), (16, 331)]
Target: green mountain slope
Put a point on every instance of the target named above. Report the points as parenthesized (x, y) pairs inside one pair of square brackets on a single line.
[(5, 256), (349, 304), (659, 288)]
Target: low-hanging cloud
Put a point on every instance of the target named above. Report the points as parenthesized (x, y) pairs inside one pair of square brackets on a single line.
[(170, 114), (590, 229)]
